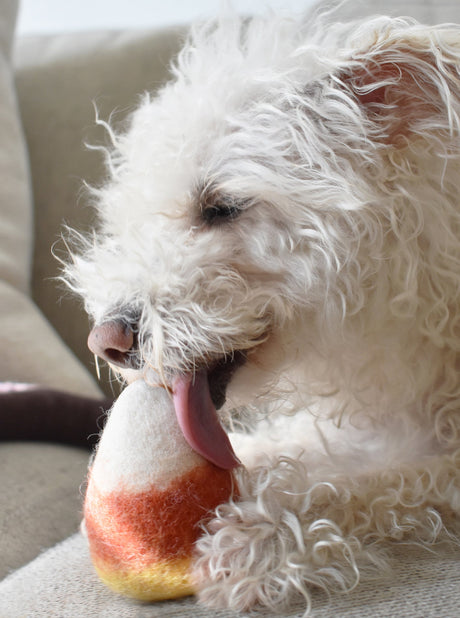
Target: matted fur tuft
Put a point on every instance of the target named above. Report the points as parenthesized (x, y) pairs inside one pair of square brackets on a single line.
[(292, 194)]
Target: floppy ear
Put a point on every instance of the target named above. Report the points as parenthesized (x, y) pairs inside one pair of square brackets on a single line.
[(407, 81)]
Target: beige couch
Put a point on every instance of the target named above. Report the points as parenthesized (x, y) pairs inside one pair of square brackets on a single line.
[(46, 116)]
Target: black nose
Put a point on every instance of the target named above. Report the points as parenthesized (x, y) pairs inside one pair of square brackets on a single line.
[(113, 341)]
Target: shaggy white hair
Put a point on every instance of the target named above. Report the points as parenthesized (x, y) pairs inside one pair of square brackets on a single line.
[(292, 195)]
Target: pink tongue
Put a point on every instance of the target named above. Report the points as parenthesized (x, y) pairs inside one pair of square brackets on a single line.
[(197, 417)]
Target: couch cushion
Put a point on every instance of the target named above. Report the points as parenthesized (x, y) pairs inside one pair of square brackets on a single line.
[(61, 582), (15, 204), (59, 80), (40, 499), (425, 11), (31, 350)]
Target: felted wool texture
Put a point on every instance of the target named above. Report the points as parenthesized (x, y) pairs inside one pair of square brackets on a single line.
[(147, 493), (142, 445), (142, 543)]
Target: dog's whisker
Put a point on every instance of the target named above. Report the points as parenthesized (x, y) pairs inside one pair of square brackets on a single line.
[(96, 363)]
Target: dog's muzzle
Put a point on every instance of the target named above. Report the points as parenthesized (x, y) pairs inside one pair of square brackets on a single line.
[(197, 395)]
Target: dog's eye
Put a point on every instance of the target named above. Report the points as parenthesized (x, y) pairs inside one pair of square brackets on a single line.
[(216, 213)]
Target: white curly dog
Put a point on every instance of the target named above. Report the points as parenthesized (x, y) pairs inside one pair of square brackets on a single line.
[(279, 240)]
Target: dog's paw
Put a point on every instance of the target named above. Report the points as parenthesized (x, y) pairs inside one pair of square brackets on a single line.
[(272, 546)]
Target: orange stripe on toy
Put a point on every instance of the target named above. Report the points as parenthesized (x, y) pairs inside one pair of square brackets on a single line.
[(137, 528)]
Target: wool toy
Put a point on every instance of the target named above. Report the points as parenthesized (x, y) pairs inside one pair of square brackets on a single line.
[(148, 490)]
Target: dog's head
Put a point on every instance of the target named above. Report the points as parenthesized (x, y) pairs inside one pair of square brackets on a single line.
[(249, 204)]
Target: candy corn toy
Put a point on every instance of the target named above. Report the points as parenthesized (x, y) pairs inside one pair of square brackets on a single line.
[(162, 464)]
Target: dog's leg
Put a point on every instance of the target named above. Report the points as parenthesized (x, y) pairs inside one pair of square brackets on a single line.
[(276, 543)]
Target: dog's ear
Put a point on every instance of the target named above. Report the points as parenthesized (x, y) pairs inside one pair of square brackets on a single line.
[(407, 83)]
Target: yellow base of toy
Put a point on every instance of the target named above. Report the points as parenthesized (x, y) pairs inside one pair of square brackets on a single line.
[(165, 580)]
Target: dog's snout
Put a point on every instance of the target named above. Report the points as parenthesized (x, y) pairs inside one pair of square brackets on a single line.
[(112, 341)]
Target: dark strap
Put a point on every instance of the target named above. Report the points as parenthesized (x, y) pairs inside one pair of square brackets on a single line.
[(41, 414)]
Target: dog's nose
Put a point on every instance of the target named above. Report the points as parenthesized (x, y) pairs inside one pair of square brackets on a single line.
[(112, 341)]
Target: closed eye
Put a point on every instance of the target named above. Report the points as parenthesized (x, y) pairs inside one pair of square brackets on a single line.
[(215, 207), (220, 212)]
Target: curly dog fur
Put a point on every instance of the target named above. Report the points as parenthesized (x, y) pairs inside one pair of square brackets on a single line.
[(291, 199)]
